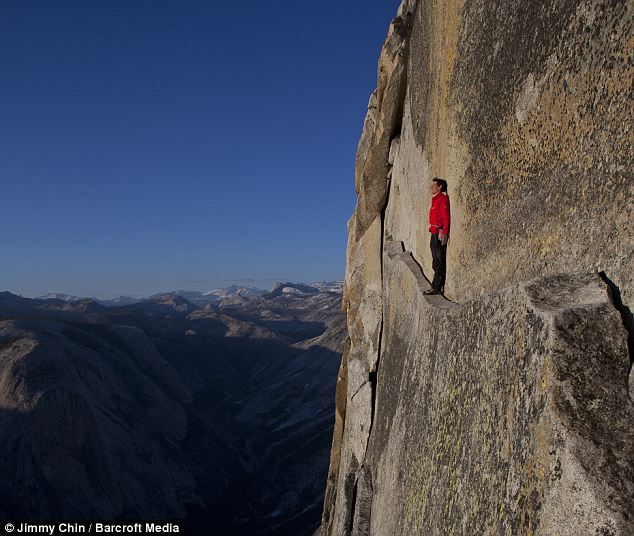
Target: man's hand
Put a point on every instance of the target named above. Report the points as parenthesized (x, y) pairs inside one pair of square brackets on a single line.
[(443, 238)]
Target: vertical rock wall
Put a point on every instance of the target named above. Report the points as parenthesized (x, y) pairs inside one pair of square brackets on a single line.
[(525, 108), (505, 410)]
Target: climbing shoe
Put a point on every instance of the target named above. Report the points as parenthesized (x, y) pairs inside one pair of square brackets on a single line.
[(430, 291)]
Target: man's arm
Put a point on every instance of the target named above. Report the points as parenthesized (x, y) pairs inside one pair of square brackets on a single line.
[(446, 215), (446, 219)]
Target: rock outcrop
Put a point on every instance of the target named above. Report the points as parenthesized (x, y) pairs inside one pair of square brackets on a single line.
[(504, 407)]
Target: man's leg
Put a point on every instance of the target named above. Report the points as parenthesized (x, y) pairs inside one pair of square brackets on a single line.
[(442, 266), (438, 263)]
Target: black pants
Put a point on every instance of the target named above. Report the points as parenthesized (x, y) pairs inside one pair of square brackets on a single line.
[(439, 262)]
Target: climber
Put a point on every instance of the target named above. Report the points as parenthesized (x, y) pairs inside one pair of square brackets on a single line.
[(439, 219)]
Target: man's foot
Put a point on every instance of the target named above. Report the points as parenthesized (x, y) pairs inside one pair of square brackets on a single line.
[(430, 291)]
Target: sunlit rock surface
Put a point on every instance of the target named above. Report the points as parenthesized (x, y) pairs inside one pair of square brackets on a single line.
[(504, 407)]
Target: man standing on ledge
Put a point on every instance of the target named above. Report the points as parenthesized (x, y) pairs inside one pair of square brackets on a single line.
[(439, 219)]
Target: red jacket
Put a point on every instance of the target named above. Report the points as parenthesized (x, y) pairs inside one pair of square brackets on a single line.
[(439, 217)]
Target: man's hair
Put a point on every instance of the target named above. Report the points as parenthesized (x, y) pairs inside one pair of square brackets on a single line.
[(442, 183)]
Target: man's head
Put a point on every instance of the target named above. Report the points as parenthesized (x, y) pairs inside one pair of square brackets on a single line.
[(438, 185)]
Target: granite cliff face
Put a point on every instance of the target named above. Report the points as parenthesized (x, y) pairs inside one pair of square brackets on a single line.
[(504, 407)]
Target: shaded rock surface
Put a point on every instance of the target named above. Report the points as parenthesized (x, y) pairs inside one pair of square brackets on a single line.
[(503, 408)]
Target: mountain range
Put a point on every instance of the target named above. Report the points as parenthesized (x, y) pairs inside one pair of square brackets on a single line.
[(216, 408), (194, 296)]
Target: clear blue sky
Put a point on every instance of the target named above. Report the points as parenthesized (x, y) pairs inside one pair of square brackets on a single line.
[(163, 144)]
